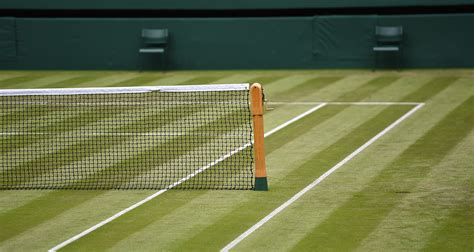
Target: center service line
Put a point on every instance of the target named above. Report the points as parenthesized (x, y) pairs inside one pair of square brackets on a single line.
[(318, 180), (145, 200)]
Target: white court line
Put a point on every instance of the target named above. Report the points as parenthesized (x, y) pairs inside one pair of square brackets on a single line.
[(318, 180), (130, 208), (347, 103)]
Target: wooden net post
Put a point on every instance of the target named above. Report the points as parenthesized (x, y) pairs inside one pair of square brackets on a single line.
[(256, 95)]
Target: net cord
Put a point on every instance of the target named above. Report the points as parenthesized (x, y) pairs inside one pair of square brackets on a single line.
[(123, 90)]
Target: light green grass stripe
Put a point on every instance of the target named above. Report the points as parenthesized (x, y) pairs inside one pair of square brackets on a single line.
[(61, 156), (400, 88), (84, 208), (4, 76), (455, 232), (265, 80), (371, 87), (165, 233), (46, 80), (370, 206), (172, 80), (234, 78), (71, 82), (71, 221), (435, 201), (306, 88), (24, 77), (363, 94), (312, 209), (334, 91), (140, 80), (180, 223), (240, 218), (115, 230), (109, 80), (16, 226), (285, 84)]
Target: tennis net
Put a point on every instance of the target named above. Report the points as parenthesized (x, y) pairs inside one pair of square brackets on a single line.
[(190, 137)]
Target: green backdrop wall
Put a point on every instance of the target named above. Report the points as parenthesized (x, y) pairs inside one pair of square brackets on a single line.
[(442, 40), (219, 5)]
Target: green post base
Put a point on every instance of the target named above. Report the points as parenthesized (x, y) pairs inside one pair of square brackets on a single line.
[(261, 184)]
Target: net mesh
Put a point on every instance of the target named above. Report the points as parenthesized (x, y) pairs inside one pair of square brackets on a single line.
[(149, 140)]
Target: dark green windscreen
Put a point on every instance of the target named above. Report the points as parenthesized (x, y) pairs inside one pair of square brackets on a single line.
[(219, 5), (441, 40), (7, 41)]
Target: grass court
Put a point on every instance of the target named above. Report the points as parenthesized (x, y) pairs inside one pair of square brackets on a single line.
[(411, 188)]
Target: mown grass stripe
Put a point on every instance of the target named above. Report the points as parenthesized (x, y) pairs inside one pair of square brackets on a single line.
[(265, 80), (140, 80), (243, 216), (4, 76), (306, 88), (456, 232), (369, 88), (47, 79), (72, 81), (13, 81), (123, 231), (430, 89), (285, 84), (123, 173), (430, 205), (364, 211), (338, 109), (365, 91), (203, 80), (310, 221), (82, 147), (172, 80), (107, 80), (21, 219), (16, 226), (157, 219)]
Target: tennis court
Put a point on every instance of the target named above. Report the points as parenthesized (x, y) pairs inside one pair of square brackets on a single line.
[(356, 160)]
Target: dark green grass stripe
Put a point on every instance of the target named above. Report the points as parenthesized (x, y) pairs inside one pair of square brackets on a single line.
[(71, 82), (303, 125), (243, 216), (368, 88), (234, 218), (36, 211), (12, 82), (112, 233), (203, 80), (421, 94), (128, 224), (305, 88), (83, 147), (124, 173), (118, 230), (429, 89), (81, 118), (25, 217), (324, 158), (140, 80), (367, 208), (266, 80), (457, 231)]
